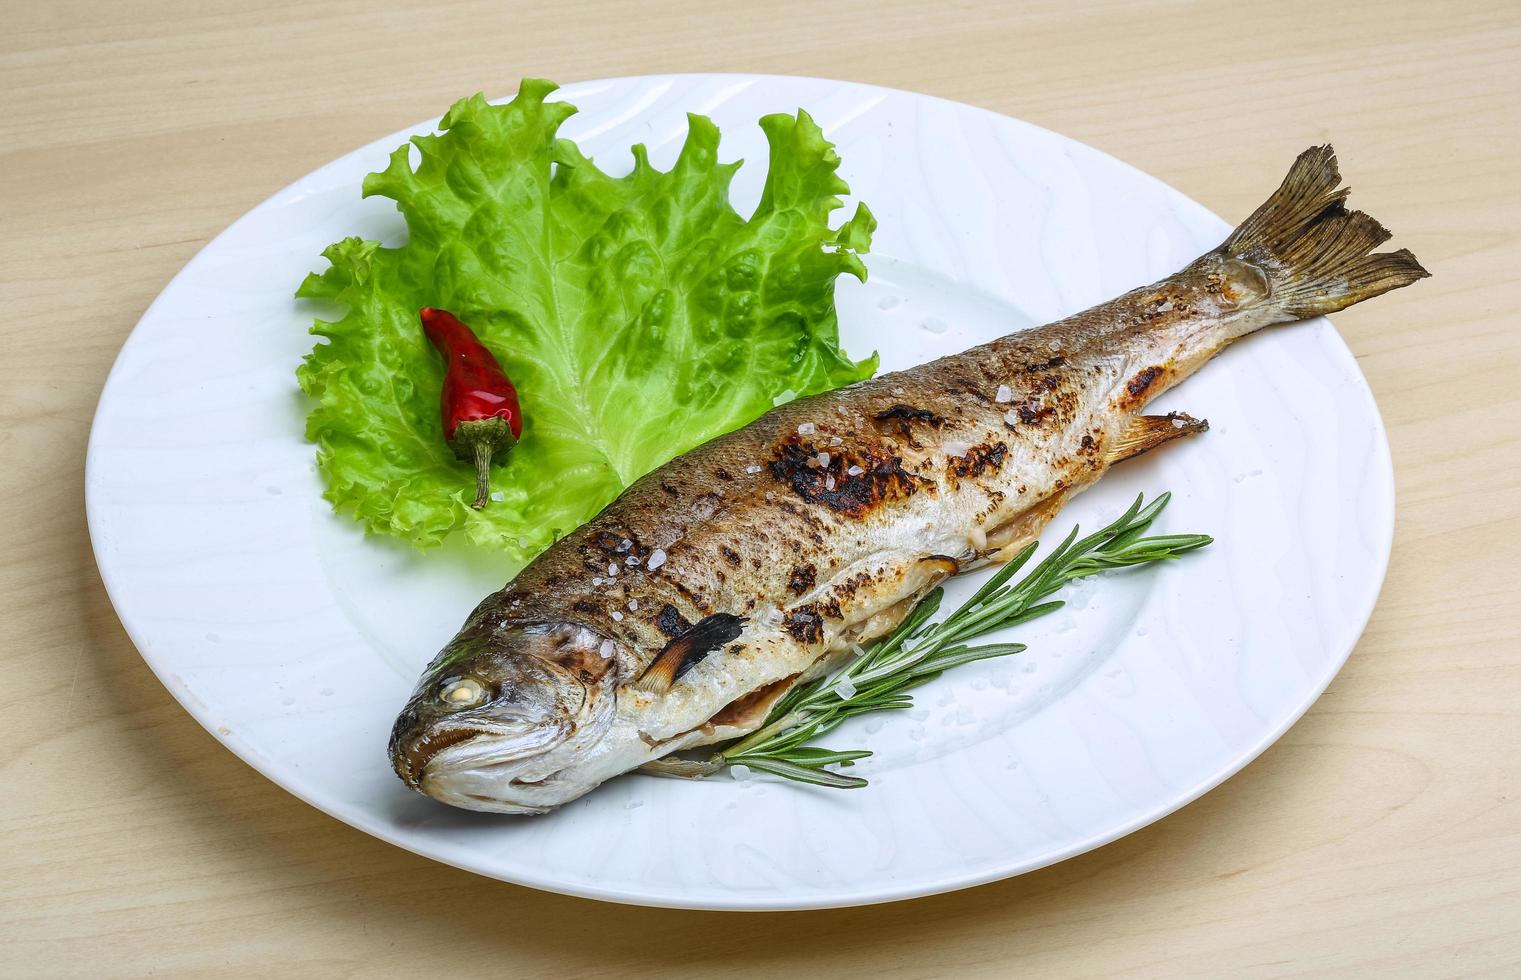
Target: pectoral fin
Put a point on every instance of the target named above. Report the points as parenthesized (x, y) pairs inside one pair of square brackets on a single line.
[(1147, 432), (705, 636)]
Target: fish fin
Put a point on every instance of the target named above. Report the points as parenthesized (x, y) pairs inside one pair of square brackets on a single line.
[(679, 655), (1147, 432), (1318, 256), (944, 566)]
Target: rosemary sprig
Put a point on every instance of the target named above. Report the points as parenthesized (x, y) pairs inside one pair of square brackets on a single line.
[(920, 650)]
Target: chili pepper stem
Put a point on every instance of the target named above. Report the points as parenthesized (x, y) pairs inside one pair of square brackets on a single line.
[(478, 441), (482, 475)]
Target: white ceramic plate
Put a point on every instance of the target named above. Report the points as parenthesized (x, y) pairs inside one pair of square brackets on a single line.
[(295, 639)]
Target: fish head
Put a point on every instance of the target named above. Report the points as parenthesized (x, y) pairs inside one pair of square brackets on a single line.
[(501, 712)]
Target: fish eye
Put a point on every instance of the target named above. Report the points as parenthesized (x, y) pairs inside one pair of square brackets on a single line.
[(460, 692)]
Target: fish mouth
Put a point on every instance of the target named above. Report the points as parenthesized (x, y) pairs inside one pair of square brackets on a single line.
[(411, 764), (523, 769)]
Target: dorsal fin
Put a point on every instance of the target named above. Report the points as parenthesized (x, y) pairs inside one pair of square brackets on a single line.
[(705, 636)]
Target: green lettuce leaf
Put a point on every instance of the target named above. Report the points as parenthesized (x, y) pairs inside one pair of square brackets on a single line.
[(638, 316)]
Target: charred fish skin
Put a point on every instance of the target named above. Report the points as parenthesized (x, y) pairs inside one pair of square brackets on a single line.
[(680, 613)]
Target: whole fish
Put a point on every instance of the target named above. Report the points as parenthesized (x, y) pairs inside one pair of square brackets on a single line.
[(678, 615)]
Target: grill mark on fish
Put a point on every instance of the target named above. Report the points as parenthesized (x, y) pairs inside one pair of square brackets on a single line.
[(1041, 366), (670, 622), (881, 480), (693, 597), (1137, 385), (848, 588), (908, 413), (1033, 411), (803, 577), (901, 420), (804, 624), (979, 459)]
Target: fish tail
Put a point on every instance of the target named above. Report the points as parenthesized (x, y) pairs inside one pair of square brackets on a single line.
[(1317, 255)]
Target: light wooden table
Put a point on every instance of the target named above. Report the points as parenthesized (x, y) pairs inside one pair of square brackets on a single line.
[(1381, 836)]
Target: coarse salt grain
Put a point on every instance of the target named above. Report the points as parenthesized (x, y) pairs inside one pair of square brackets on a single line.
[(657, 558), (823, 459), (1178, 423), (773, 617), (1005, 395), (836, 441), (633, 605), (770, 494), (612, 569), (752, 469), (617, 616), (631, 560), (829, 482), (807, 429), (855, 471), (606, 649), (597, 580), (1011, 416)]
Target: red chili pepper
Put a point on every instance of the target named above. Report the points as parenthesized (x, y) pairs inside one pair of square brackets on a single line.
[(480, 405)]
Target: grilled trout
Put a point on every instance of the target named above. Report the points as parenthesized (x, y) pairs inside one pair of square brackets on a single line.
[(684, 610)]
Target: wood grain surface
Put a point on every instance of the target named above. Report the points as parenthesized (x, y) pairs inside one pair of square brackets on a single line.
[(1381, 836)]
